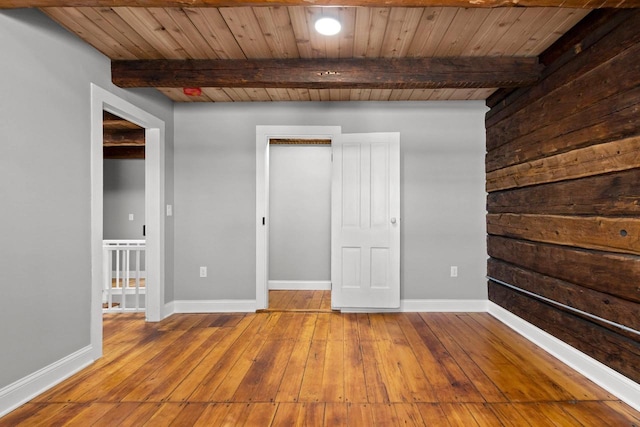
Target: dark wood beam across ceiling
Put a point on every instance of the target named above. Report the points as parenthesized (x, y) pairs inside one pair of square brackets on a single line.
[(113, 122), (582, 4), (406, 73), (123, 153), (119, 138)]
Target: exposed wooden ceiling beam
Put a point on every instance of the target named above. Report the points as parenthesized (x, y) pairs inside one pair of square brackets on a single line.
[(120, 138), (123, 152), (113, 122), (583, 4), (409, 73)]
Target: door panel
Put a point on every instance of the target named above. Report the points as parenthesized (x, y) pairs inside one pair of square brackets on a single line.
[(380, 268), (351, 268), (365, 269), (351, 208), (380, 185)]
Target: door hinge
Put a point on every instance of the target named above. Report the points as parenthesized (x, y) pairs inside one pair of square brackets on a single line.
[(263, 222)]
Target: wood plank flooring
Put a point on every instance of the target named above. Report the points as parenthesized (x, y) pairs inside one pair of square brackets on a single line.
[(301, 368), (312, 301)]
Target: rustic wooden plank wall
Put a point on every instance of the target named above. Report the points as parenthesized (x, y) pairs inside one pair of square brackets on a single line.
[(563, 177)]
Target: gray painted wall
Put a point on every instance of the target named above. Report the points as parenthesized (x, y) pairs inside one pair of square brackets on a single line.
[(300, 212), (45, 189), (123, 195), (442, 178)]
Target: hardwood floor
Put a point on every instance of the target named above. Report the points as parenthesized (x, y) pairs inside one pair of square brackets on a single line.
[(313, 301), (297, 368)]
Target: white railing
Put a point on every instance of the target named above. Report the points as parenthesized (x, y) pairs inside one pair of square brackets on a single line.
[(124, 275)]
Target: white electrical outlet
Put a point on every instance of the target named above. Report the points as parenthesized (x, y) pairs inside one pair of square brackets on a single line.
[(454, 271), (203, 271)]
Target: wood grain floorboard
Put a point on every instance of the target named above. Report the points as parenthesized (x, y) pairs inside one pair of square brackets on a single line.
[(290, 368), (299, 301)]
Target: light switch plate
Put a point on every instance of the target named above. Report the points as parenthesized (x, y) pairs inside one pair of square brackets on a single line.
[(130, 217)]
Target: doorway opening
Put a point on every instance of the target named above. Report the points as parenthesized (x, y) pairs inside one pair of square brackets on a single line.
[(124, 288), (287, 264), (300, 224), (101, 101), (365, 216)]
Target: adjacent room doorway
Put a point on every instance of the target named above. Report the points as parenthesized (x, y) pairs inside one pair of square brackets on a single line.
[(101, 101), (265, 134), (365, 215), (300, 224), (124, 231)]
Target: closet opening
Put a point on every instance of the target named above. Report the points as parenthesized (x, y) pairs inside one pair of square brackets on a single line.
[(300, 224)]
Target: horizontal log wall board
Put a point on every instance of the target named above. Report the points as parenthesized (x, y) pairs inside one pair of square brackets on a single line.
[(563, 183)]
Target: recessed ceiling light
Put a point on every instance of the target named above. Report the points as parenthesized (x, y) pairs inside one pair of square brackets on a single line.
[(328, 26)]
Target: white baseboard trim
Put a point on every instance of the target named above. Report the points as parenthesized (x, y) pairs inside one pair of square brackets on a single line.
[(443, 305), (408, 306), (169, 309), (427, 306), (300, 285), (27, 388), (612, 381), (214, 306)]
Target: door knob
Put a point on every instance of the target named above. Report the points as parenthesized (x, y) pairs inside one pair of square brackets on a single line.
[(393, 220)]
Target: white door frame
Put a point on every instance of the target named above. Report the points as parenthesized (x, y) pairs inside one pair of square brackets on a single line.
[(263, 134), (103, 100)]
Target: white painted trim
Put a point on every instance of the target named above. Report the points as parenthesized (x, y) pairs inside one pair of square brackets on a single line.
[(263, 134), (169, 309), (132, 274), (300, 285), (443, 306), (427, 306), (612, 381), (102, 99), (155, 219), (214, 306), (28, 387)]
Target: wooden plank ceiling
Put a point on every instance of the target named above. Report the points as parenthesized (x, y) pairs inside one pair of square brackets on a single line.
[(283, 36)]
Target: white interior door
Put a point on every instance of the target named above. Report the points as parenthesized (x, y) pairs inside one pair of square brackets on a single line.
[(365, 223)]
